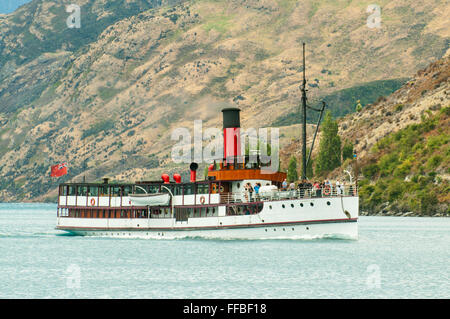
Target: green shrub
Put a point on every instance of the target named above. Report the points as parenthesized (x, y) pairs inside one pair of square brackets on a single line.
[(434, 162), (98, 127), (370, 170), (403, 169)]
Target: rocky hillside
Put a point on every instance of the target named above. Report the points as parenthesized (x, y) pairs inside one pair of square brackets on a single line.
[(110, 93)]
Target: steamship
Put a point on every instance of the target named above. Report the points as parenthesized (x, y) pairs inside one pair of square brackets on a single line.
[(219, 207)]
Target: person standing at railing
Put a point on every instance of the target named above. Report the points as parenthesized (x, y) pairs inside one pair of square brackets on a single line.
[(250, 190), (284, 185), (245, 191), (291, 189), (256, 188), (351, 190), (317, 189)]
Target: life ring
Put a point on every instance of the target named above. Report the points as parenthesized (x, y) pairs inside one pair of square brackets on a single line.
[(214, 188), (222, 189), (202, 199), (92, 201), (327, 190)]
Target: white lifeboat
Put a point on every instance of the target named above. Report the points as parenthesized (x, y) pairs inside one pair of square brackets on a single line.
[(156, 199)]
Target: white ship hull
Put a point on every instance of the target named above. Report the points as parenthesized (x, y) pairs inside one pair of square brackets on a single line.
[(318, 217)]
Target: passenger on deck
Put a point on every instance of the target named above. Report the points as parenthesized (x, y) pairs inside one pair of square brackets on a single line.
[(338, 188), (284, 185), (250, 191), (317, 189), (256, 188)]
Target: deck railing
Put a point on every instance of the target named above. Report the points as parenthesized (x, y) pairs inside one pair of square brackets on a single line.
[(327, 191)]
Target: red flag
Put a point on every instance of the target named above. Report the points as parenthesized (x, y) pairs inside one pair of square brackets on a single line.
[(59, 170)]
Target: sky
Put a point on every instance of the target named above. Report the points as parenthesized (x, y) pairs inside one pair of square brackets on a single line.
[(8, 6)]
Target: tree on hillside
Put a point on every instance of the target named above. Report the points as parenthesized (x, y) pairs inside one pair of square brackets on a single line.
[(330, 147), (292, 174), (358, 106), (347, 150)]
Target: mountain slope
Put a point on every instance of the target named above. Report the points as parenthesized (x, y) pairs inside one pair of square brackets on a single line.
[(111, 98), (403, 147)]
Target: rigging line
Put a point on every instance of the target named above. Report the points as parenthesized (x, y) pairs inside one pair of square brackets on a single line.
[(315, 133), (314, 109)]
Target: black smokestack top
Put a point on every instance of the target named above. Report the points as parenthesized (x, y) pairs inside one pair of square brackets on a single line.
[(193, 166), (231, 117)]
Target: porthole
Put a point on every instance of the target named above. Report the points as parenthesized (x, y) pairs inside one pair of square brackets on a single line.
[(328, 203), (312, 204), (307, 228), (292, 205), (301, 204), (274, 229), (284, 229), (283, 206), (292, 228), (266, 230), (270, 206)]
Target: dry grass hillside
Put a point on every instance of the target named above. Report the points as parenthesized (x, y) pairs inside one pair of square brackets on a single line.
[(112, 97)]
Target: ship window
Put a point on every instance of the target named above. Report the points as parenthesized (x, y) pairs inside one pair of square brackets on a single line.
[(202, 189), (312, 204), (177, 190), (151, 189), (126, 190), (301, 204), (115, 190), (82, 190), (63, 190), (283, 206), (328, 203), (103, 190), (292, 205), (72, 190), (93, 190), (188, 189)]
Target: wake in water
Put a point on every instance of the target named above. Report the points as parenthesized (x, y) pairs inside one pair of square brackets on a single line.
[(212, 238)]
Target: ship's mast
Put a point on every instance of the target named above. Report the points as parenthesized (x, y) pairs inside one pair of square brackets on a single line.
[(303, 88)]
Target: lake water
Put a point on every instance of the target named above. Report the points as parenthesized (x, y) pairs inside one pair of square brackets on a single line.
[(395, 257)]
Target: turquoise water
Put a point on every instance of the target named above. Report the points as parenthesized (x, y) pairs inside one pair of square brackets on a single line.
[(395, 257)]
